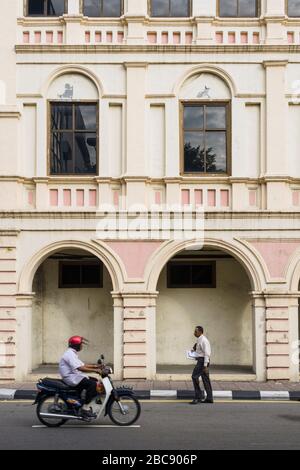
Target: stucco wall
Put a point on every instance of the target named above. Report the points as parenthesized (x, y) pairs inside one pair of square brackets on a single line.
[(61, 313), (224, 312)]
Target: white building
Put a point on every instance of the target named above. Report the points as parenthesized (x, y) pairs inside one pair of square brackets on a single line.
[(110, 110)]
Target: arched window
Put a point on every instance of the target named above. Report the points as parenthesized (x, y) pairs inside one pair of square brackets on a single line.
[(293, 8), (46, 7), (103, 8), (238, 8), (172, 8)]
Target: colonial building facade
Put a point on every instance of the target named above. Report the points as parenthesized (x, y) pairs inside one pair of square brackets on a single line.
[(149, 183)]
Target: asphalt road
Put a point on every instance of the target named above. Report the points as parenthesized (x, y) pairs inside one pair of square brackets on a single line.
[(162, 425)]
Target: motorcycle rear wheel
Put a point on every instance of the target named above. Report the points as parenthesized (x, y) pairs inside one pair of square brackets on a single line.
[(43, 407)]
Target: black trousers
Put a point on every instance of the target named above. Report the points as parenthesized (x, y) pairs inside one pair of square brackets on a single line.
[(90, 385), (197, 373)]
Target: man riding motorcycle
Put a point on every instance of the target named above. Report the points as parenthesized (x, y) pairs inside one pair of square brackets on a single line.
[(72, 371)]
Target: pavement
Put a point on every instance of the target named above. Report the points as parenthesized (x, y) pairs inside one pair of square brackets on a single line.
[(149, 389)]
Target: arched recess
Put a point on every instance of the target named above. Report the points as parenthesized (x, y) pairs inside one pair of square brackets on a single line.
[(75, 70), (226, 310), (199, 70), (60, 310)]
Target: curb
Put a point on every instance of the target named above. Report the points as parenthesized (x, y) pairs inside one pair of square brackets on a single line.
[(9, 394)]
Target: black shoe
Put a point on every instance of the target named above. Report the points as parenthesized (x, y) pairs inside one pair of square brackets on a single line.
[(207, 401), (87, 414), (196, 401)]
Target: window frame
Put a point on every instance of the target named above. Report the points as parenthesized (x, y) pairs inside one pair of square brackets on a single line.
[(81, 9), (213, 265), (190, 5), (258, 11), (75, 102), (287, 10), (63, 263), (227, 104), (26, 10)]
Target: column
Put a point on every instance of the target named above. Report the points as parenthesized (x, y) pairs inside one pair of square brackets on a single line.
[(73, 7), (135, 15), (259, 336), (204, 12), (282, 333), (118, 336), (274, 18), (23, 336), (278, 193), (135, 133), (139, 336), (8, 280)]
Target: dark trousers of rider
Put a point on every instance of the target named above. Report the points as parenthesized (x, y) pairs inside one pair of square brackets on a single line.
[(197, 373), (88, 384)]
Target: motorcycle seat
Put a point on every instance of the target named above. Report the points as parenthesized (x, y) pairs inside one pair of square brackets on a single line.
[(57, 384)]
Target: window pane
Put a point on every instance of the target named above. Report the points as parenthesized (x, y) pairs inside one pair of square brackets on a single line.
[(202, 274), (112, 8), (90, 274), (160, 8), (180, 8), (86, 117), (193, 117), (228, 7), (61, 117), (215, 152), (247, 8), (294, 8), (85, 152), (193, 152), (215, 117), (70, 275), (61, 153), (35, 7), (179, 274), (55, 7), (91, 8)]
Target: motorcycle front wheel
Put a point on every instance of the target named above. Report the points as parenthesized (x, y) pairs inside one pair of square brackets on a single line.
[(126, 411), (48, 405)]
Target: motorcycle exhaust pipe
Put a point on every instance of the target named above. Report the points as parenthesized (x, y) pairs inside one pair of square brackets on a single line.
[(55, 416)]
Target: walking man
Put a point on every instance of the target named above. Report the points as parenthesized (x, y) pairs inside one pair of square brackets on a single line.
[(203, 351)]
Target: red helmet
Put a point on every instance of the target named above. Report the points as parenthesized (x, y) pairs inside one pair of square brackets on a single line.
[(77, 341)]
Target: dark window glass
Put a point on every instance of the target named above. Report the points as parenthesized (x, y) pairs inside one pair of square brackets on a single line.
[(91, 274), (80, 274), (175, 8), (294, 8), (191, 275), (70, 275), (100, 8), (46, 7), (36, 7), (73, 138), (202, 274), (205, 138), (238, 8)]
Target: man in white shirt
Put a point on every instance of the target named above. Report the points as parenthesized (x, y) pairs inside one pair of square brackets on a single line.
[(203, 351), (72, 371)]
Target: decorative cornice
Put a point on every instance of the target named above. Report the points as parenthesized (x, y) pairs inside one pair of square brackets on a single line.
[(180, 49), (275, 63)]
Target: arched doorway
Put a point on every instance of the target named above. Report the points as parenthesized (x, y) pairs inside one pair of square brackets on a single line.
[(211, 288), (72, 296)]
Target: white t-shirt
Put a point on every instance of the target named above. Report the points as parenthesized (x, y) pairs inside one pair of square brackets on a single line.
[(68, 368)]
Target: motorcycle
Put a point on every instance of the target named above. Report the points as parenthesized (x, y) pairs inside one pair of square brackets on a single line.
[(57, 403)]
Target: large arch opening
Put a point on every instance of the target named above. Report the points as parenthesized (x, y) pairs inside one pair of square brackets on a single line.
[(72, 290), (211, 288)]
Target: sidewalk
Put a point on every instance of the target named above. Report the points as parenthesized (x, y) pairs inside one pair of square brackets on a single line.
[(148, 389)]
